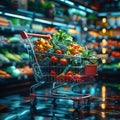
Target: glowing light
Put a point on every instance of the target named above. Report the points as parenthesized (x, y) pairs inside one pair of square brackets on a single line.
[(103, 115), (103, 93), (103, 106), (71, 26), (18, 16), (104, 50), (59, 24), (104, 42), (69, 2), (43, 21), (104, 20), (81, 7), (103, 60), (104, 30), (89, 10)]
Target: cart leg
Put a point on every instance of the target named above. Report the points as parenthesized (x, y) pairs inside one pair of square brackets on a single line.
[(33, 87), (33, 103), (54, 103), (33, 98), (87, 105)]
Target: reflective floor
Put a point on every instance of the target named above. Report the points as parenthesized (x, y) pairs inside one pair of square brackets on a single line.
[(103, 105)]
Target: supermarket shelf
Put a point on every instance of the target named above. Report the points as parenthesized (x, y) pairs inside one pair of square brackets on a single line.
[(18, 29), (15, 85), (109, 47), (14, 63), (15, 79), (107, 37), (11, 44), (115, 68), (35, 17)]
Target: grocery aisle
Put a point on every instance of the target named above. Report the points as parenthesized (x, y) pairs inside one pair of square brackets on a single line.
[(82, 52)]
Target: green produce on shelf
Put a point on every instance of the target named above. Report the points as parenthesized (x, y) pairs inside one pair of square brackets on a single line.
[(15, 21), (14, 39), (17, 56), (11, 56), (24, 55), (112, 66), (13, 71), (3, 58)]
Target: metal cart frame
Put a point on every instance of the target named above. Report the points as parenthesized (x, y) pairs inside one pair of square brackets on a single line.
[(89, 74)]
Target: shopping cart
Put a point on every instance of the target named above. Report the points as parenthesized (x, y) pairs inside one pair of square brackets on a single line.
[(47, 72)]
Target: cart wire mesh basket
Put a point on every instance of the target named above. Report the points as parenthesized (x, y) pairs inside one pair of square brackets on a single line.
[(58, 68)]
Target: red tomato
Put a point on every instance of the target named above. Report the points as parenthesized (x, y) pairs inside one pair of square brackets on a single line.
[(69, 73), (68, 77), (52, 73), (63, 61), (54, 59), (77, 77), (59, 52)]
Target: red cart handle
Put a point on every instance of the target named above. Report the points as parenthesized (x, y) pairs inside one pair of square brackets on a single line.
[(25, 35)]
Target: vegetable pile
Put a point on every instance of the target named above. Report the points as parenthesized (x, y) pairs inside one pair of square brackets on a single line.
[(66, 59)]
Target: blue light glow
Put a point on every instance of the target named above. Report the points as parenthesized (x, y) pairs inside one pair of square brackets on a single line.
[(69, 2), (59, 24), (43, 21), (92, 91), (82, 7), (17, 16), (71, 26), (82, 13), (89, 10)]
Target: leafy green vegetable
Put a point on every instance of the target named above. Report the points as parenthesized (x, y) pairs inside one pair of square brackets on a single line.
[(61, 37), (87, 53)]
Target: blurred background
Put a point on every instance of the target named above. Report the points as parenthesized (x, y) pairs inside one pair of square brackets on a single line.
[(94, 24)]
